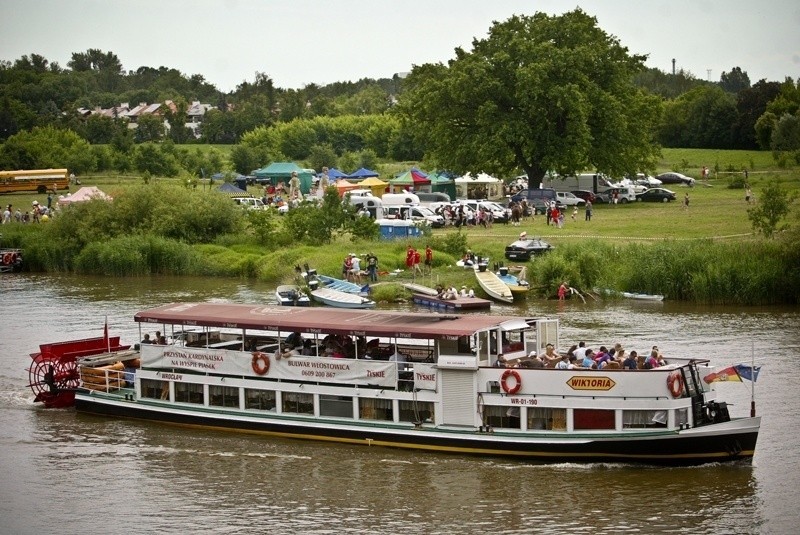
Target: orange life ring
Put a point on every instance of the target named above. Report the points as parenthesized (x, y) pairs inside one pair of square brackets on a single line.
[(675, 383), (260, 363), (8, 259), (511, 390)]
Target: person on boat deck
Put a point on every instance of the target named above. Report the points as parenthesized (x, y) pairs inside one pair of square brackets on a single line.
[(501, 361), (146, 339), (551, 356), (398, 357), (440, 291), (451, 293), (464, 292), (308, 347), (532, 361), (601, 357), (294, 340), (652, 361), (631, 362), (572, 349), (563, 364), (588, 359)]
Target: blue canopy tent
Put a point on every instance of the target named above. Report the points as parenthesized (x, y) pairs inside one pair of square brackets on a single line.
[(363, 173), (229, 189), (334, 174)]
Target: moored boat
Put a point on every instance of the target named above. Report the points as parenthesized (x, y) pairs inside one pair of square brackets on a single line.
[(643, 297), (335, 298), (291, 295), (492, 285), (10, 260), (423, 381), (516, 282), (343, 285), (457, 304), (415, 288)]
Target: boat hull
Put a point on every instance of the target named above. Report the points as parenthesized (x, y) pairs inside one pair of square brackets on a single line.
[(493, 286), (460, 303), (338, 299), (735, 442)]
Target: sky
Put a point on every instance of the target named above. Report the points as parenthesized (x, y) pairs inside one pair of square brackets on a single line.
[(299, 42)]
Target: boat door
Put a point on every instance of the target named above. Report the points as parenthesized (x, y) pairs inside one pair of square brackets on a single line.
[(546, 333)]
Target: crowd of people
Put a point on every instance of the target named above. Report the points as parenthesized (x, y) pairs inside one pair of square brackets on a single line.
[(36, 214), (579, 356)]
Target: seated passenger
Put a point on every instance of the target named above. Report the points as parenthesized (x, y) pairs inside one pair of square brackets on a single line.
[(631, 362), (551, 356), (294, 340), (652, 361), (146, 339), (588, 359), (601, 357), (563, 364), (501, 361)]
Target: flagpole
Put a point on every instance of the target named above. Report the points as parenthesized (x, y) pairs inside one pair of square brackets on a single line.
[(753, 380)]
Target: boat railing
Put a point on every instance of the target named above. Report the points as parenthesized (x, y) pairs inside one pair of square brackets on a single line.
[(108, 373)]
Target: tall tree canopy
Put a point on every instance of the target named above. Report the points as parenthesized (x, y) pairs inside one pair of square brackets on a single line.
[(541, 93)]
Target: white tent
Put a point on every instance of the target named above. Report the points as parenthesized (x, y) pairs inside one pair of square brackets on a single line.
[(482, 186), (84, 194)]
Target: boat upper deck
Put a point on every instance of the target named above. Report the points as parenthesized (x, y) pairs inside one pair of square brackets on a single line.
[(333, 321)]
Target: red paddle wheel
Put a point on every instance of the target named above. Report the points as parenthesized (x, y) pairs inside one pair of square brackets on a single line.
[(53, 375)]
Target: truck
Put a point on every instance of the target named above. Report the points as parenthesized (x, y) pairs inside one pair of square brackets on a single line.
[(594, 182)]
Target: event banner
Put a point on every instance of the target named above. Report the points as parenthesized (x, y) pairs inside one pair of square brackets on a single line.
[(425, 376), (296, 368)]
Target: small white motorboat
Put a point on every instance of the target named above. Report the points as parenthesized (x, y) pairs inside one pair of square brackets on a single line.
[(492, 285), (335, 298), (291, 295)]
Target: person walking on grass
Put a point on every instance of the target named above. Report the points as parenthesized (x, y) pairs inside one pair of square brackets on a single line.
[(686, 201)]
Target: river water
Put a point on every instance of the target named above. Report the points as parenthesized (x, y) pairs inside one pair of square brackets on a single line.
[(69, 473)]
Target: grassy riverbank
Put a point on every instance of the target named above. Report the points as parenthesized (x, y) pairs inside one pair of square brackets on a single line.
[(706, 253)]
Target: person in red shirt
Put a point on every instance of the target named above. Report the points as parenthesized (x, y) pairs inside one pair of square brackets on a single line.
[(410, 257), (429, 258)]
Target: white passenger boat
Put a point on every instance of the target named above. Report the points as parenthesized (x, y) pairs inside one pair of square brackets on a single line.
[(291, 295), (228, 368)]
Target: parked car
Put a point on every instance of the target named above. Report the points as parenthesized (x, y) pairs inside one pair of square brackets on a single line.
[(647, 181), (584, 194), (525, 247), (252, 203), (499, 213), (568, 199), (675, 178), (415, 213), (538, 199), (656, 195), (625, 194)]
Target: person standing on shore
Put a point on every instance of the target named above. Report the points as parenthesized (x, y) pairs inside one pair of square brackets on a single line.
[(588, 211), (686, 201)]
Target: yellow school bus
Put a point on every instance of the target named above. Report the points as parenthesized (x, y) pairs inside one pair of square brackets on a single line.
[(34, 180)]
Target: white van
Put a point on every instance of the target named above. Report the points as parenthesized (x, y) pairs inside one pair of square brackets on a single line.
[(400, 199), (373, 205), (250, 202), (625, 194), (414, 213)]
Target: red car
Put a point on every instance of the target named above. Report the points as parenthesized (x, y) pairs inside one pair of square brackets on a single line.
[(584, 194)]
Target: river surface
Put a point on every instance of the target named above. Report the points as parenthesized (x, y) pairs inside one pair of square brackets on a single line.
[(61, 472)]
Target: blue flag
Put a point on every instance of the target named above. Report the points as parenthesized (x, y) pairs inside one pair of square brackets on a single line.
[(748, 372)]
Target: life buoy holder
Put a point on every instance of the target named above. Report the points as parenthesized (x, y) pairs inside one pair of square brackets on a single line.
[(675, 383), (514, 388), (260, 363)]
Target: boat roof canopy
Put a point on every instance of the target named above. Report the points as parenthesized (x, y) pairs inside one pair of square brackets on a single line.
[(327, 320)]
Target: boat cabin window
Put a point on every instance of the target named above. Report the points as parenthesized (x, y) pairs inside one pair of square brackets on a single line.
[(189, 393), (155, 389), (640, 419), (416, 412), (501, 417), (547, 419), (262, 400), (297, 403), (341, 406), (223, 396), (375, 409), (593, 419)]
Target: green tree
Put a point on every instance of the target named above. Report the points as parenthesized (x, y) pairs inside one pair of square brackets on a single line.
[(772, 206), (541, 93), (705, 117), (786, 136), (734, 81), (150, 128)]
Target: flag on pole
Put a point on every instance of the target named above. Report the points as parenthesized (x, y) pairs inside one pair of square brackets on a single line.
[(748, 372), (105, 336), (728, 374)]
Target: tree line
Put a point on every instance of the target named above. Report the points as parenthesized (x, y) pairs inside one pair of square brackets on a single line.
[(540, 93)]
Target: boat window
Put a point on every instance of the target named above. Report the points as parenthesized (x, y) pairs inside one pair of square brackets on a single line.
[(189, 393), (223, 396), (501, 417), (681, 417), (341, 406), (155, 389), (297, 403), (640, 419), (375, 409), (594, 419), (548, 419), (262, 400), (416, 412)]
